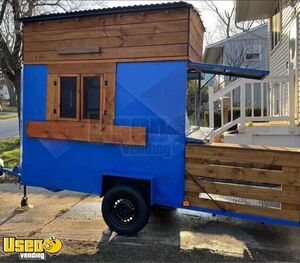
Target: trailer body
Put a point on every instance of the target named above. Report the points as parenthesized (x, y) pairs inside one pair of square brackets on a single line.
[(148, 94), (104, 107)]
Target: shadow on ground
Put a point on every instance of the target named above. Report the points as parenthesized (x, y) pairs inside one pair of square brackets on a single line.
[(166, 239)]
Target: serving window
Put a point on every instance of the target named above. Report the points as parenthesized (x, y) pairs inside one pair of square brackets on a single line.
[(68, 97), (81, 106), (79, 97), (91, 97)]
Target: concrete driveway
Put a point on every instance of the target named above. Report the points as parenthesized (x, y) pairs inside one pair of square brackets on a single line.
[(177, 236), (9, 128)]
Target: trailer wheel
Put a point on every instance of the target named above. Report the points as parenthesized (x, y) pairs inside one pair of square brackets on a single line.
[(125, 210)]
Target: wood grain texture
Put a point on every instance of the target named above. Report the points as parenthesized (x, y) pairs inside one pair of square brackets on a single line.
[(82, 68), (145, 36), (244, 191), (196, 31), (281, 156), (78, 50), (244, 209), (87, 132), (52, 109), (110, 42), (109, 98), (112, 53), (108, 20), (236, 172), (115, 60)]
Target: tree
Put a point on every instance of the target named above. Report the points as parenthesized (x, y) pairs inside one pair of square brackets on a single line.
[(226, 20), (11, 34)]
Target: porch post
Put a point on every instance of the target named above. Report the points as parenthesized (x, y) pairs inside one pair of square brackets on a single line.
[(292, 99), (243, 107), (211, 111)]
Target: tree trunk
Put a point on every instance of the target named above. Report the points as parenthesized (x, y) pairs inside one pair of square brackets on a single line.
[(12, 95), (17, 84)]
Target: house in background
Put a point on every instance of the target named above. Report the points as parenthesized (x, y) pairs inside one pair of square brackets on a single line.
[(269, 109), (246, 49)]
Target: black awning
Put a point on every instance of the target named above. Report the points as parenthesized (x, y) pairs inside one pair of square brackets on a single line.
[(248, 73)]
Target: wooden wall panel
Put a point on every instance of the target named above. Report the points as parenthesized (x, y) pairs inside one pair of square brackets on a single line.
[(87, 132), (149, 36), (51, 97), (109, 98), (112, 53), (158, 37), (254, 180), (108, 20), (109, 31), (109, 42), (196, 32), (79, 68)]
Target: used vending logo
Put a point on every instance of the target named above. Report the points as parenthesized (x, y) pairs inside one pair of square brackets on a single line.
[(29, 248)]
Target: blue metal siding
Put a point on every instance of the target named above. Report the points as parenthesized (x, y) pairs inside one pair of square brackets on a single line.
[(149, 94)]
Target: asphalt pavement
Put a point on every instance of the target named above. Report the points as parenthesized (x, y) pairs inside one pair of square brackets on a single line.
[(9, 128)]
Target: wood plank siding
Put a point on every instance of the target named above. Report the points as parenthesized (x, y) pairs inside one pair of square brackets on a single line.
[(254, 180), (88, 132), (153, 35), (91, 46)]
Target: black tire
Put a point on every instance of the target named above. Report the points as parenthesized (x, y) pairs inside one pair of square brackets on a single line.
[(125, 210)]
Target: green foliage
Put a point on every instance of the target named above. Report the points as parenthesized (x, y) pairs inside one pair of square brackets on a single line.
[(6, 116), (192, 90), (9, 109), (10, 151)]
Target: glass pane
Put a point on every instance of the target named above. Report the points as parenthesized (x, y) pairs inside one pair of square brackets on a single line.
[(257, 99), (248, 100), (236, 102), (68, 101), (276, 99), (266, 98), (91, 97)]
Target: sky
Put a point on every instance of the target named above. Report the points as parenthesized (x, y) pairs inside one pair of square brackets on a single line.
[(208, 17)]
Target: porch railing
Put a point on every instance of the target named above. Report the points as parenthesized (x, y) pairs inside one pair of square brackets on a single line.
[(246, 100)]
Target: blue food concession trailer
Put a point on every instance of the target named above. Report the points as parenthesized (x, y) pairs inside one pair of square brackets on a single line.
[(104, 106)]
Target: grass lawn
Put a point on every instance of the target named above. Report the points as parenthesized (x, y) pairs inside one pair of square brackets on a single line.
[(10, 109), (6, 116), (10, 151), (8, 113)]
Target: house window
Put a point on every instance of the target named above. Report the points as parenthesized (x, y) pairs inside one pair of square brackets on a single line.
[(68, 97), (276, 26), (91, 97), (253, 53)]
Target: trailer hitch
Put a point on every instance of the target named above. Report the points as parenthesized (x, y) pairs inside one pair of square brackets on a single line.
[(24, 205)]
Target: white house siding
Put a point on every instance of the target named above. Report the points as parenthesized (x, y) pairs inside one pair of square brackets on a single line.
[(298, 67), (279, 56)]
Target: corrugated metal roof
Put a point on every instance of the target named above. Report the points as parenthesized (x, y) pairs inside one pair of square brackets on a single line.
[(107, 11)]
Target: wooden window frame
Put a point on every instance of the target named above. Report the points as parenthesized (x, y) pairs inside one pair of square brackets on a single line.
[(101, 110), (77, 97)]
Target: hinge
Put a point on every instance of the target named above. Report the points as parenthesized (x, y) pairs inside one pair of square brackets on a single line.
[(54, 111), (106, 82), (54, 82)]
